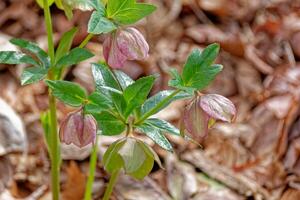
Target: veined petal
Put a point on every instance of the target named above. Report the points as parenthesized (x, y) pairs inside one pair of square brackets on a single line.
[(218, 107)]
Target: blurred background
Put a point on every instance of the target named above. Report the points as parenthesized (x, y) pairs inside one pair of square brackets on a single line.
[(257, 157)]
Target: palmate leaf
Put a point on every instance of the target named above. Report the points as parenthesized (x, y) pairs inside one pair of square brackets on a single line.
[(98, 102), (75, 56), (163, 125), (109, 123), (198, 70), (65, 43)]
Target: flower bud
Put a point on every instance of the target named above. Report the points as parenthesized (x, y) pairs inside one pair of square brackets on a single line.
[(79, 129), (204, 110), (125, 44)]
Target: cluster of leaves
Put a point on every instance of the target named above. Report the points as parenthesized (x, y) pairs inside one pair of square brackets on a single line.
[(39, 60), (119, 104)]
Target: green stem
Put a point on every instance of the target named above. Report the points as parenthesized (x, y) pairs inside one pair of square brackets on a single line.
[(54, 149), (86, 40), (111, 184), (93, 164), (157, 107)]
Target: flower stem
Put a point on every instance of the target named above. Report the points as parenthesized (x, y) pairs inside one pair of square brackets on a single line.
[(111, 184), (157, 107), (93, 164), (86, 40), (54, 149)]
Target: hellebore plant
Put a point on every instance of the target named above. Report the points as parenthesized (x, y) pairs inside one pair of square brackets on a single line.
[(119, 105)]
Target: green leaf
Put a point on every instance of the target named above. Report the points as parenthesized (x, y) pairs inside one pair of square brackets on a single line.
[(112, 160), (136, 93), (115, 6), (75, 56), (157, 98), (65, 43), (150, 152), (106, 83), (156, 135), (134, 14), (83, 5), (41, 3), (99, 24), (98, 5), (163, 126), (132, 154), (123, 79), (109, 124), (198, 71), (33, 48), (14, 58), (70, 93), (97, 102), (32, 75)]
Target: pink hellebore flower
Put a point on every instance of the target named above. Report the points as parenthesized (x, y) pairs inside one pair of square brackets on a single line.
[(79, 129), (204, 108), (124, 44)]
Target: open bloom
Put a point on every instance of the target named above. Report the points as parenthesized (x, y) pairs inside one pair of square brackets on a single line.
[(79, 129), (124, 44), (205, 109)]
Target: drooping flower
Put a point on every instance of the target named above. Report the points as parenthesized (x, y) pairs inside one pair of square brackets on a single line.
[(79, 129), (205, 109), (124, 44)]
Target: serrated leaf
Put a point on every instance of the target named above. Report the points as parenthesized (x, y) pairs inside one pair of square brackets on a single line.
[(75, 56), (68, 92), (133, 14), (123, 79), (109, 124), (97, 102), (33, 48), (198, 71), (163, 126), (115, 6), (32, 75), (14, 58), (136, 93), (98, 5), (99, 24), (157, 98), (65, 43), (156, 135)]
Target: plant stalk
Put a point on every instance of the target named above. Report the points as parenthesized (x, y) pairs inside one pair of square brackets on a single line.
[(111, 184), (93, 164), (86, 40), (54, 149)]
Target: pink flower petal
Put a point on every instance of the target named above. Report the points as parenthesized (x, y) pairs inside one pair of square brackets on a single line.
[(218, 107), (196, 120)]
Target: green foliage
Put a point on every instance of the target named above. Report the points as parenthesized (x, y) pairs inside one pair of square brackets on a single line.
[(136, 93), (97, 103), (163, 125), (156, 135), (32, 75), (65, 43), (13, 57), (132, 155), (33, 48), (41, 3), (68, 92), (98, 23), (73, 57), (128, 11), (198, 71), (110, 124)]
